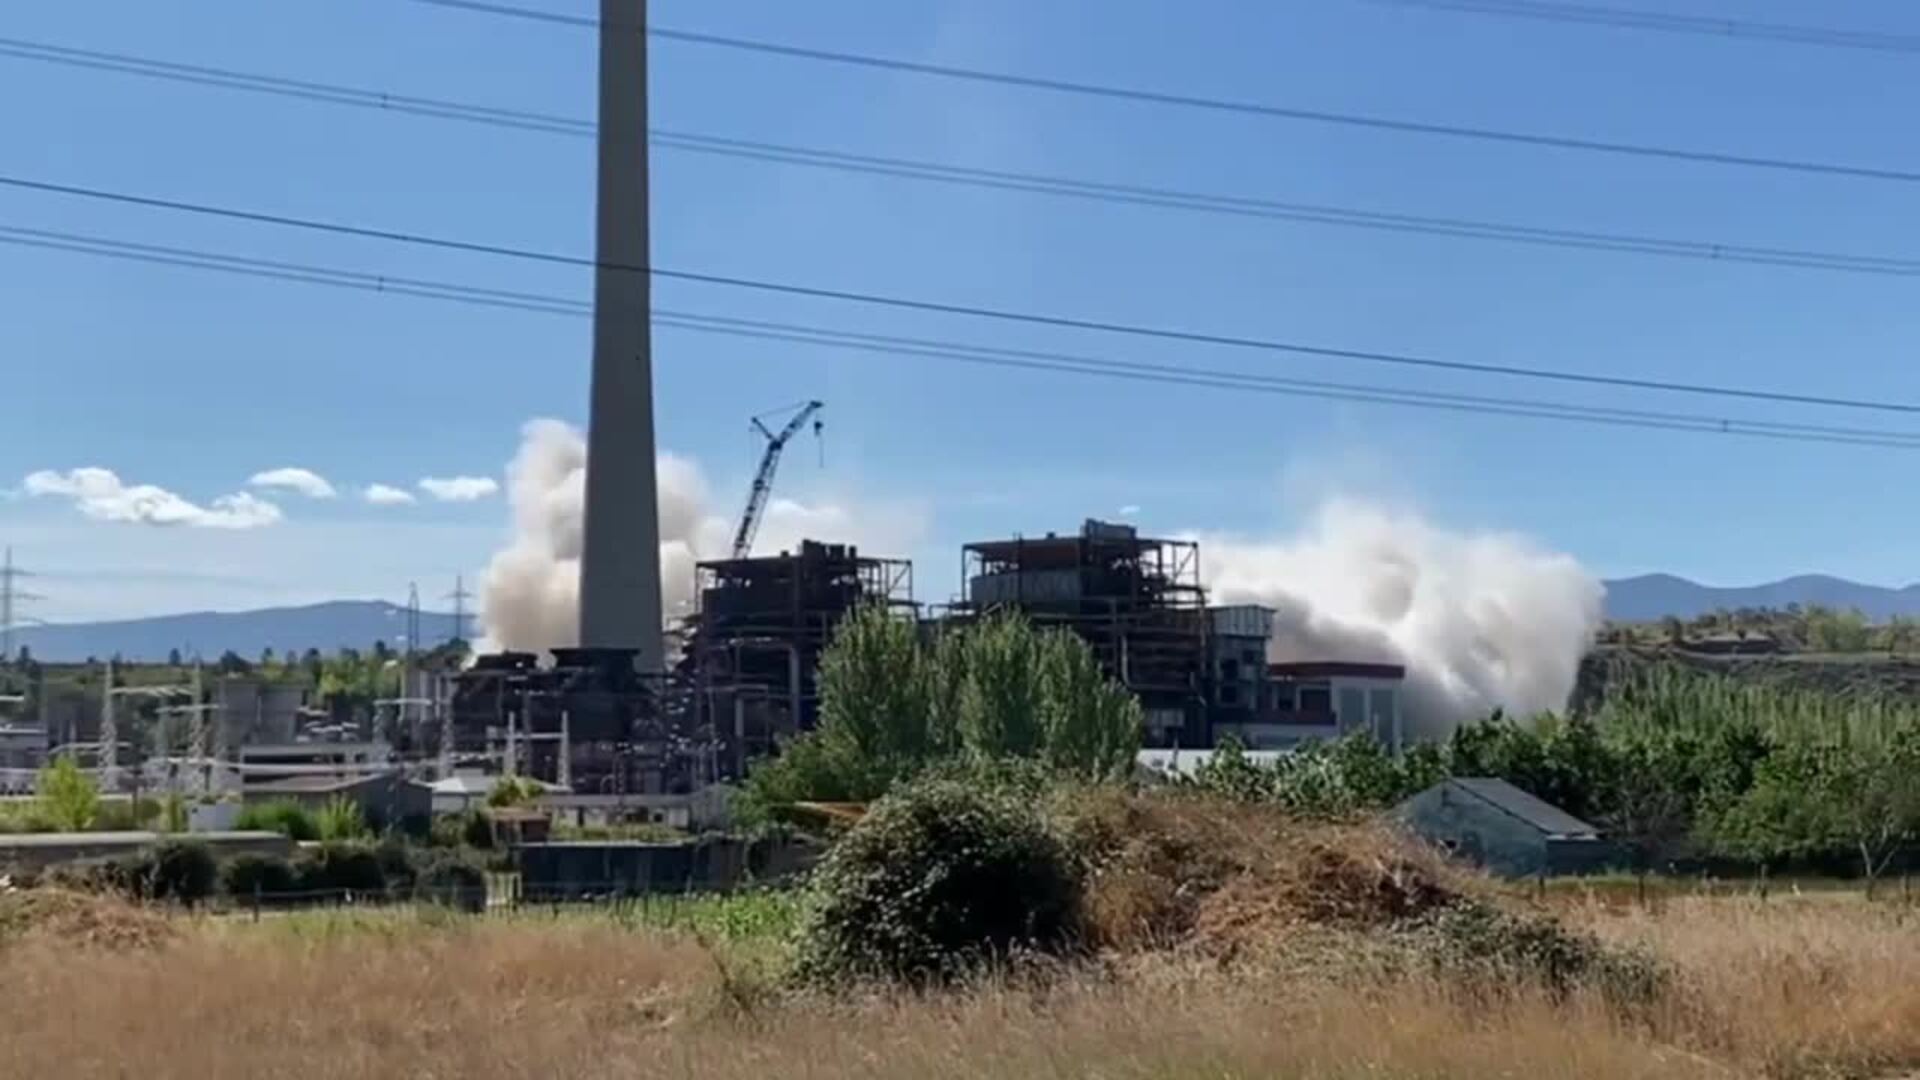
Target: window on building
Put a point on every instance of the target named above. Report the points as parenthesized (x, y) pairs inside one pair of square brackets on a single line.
[(1230, 670), (1252, 658), (1229, 693), (1316, 699)]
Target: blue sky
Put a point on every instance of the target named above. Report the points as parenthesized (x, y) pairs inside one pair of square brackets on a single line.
[(194, 382)]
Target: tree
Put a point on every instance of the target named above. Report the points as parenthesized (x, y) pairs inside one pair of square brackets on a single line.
[(173, 657), (1647, 815), (67, 798), (875, 712), (1872, 801), (1815, 795), (25, 656), (1002, 700), (1091, 725)]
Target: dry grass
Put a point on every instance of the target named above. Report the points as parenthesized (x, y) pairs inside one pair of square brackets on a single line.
[(1237, 947), (1789, 990), (1824, 985), (523, 999)]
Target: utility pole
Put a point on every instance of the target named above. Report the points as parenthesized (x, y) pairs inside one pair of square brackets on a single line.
[(620, 603)]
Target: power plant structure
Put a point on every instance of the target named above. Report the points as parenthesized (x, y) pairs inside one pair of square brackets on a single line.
[(618, 714), (752, 648), (1135, 601)]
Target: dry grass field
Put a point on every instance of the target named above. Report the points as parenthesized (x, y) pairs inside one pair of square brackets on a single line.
[(1819, 987)]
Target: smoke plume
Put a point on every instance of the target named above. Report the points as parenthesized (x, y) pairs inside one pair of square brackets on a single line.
[(530, 595), (1481, 620)]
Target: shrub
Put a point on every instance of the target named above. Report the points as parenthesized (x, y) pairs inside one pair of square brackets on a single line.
[(248, 875), (65, 797), (93, 876), (1477, 940), (180, 870), (937, 879), (341, 819), (289, 819), (453, 878), (340, 867), (398, 864)]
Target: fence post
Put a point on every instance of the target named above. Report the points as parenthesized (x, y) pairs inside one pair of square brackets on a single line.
[(256, 901)]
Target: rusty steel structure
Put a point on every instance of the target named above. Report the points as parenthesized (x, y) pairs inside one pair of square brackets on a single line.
[(1136, 601), (752, 648)]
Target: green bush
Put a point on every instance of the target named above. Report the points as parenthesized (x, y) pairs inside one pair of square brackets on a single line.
[(341, 819), (469, 828), (248, 875), (938, 879), (1477, 940), (399, 864), (454, 878), (183, 871), (289, 819), (342, 868), (180, 870)]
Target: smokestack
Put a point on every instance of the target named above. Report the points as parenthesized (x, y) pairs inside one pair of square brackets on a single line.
[(620, 558)]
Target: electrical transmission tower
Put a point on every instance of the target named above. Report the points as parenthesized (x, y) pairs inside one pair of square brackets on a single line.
[(460, 595), (11, 597)]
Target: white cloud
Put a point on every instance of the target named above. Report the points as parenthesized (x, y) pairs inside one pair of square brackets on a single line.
[(305, 481), (459, 488), (387, 495), (1130, 510), (100, 494)]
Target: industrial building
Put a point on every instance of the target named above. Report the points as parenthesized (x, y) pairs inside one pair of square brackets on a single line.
[(1136, 602), (1200, 672), (746, 676), (752, 648)]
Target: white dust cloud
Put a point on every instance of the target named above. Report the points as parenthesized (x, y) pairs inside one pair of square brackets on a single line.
[(1482, 620), (530, 594)]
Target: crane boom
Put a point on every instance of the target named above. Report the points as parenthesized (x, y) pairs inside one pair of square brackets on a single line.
[(763, 479)]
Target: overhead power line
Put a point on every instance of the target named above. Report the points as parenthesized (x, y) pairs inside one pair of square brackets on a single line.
[(1196, 337), (1702, 25), (926, 348), (1267, 110), (972, 176)]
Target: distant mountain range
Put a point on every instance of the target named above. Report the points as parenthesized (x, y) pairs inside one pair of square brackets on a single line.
[(359, 623), (328, 627), (1655, 596)]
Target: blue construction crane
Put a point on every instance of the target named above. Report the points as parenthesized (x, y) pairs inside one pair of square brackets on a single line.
[(769, 462)]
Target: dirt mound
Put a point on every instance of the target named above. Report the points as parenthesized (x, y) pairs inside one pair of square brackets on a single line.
[(1222, 876), (74, 918)]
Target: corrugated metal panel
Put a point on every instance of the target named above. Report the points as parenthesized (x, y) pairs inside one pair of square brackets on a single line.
[(1031, 586), (1242, 620)]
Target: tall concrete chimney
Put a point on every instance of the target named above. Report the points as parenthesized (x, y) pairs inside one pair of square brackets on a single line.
[(620, 562)]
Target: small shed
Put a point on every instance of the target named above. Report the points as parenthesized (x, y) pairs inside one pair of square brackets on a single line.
[(1489, 822)]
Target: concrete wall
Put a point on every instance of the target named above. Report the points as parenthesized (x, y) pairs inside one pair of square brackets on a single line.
[(37, 851)]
